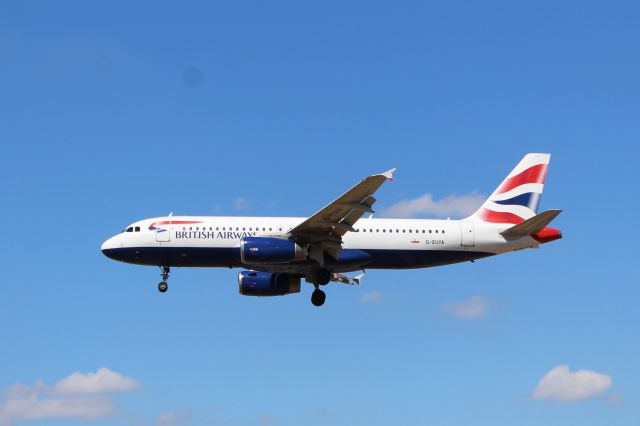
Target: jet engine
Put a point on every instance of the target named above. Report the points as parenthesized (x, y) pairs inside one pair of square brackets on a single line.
[(270, 250), (254, 283)]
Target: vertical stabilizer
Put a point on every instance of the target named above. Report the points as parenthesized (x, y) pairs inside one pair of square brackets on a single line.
[(518, 196)]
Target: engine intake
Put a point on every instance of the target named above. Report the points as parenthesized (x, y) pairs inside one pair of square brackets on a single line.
[(270, 250), (254, 283)]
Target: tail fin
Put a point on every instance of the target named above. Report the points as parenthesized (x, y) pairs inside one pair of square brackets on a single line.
[(518, 196)]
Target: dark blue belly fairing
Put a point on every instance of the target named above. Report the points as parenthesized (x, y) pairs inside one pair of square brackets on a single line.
[(350, 259)]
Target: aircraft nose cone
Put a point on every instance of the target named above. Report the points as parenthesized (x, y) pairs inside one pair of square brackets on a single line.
[(107, 246)]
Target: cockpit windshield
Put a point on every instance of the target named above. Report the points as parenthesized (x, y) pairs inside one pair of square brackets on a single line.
[(131, 229)]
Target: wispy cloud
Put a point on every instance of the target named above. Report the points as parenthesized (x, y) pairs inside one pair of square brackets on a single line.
[(79, 396), (321, 412), (453, 205), (372, 297), (560, 384), (267, 419), (474, 307), (241, 204), (173, 418)]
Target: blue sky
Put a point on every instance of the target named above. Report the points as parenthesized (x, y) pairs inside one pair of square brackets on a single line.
[(114, 112)]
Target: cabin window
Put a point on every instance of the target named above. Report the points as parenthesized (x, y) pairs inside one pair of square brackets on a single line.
[(411, 231), (436, 231), (403, 231), (443, 231), (429, 230), (270, 229)]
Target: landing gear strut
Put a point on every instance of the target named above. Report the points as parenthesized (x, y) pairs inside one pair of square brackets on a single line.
[(318, 278), (318, 297), (323, 276), (163, 286)]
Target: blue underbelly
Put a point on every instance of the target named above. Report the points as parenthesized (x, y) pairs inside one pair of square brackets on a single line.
[(350, 259)]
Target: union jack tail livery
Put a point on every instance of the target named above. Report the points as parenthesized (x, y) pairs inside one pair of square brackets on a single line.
[(517, 197)]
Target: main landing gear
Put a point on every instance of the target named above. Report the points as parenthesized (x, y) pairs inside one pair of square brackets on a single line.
[(318, 297), (163, 286), (322, 277)]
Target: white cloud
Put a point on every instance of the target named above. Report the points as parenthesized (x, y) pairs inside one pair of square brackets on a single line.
[(373, 297), (102, 381), (78, 396), (474, 307), (241, 204), (560, 384), (453, 205)]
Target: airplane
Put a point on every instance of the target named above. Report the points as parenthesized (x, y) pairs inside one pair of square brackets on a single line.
[(278, 252)]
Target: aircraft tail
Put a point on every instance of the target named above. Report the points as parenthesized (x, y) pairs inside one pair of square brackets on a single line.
[(516, 199)]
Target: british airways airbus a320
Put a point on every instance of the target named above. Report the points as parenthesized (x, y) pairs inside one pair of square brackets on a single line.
[(278, 252)]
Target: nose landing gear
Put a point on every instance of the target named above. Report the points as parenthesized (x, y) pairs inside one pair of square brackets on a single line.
[(163, 286)]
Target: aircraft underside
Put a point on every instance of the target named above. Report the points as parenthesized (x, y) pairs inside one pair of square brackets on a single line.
[(352, 259)]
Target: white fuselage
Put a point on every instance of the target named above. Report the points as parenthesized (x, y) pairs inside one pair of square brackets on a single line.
[(392, 243)]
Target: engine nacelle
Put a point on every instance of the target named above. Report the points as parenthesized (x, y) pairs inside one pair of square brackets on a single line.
[(254, 283), (270, 250)]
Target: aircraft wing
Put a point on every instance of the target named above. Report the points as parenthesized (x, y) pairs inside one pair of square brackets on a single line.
[(324, 230)]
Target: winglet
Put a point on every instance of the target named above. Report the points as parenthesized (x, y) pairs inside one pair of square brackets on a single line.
[(389, 173)]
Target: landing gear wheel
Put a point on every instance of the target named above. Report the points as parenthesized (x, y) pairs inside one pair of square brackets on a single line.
[(163, 286), (324, 276), (318, 297)]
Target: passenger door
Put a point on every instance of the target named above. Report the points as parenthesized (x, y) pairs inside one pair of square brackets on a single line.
[(467, 236), (163, 233)]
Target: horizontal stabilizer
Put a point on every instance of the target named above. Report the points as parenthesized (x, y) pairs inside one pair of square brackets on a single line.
[(533, 225)]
